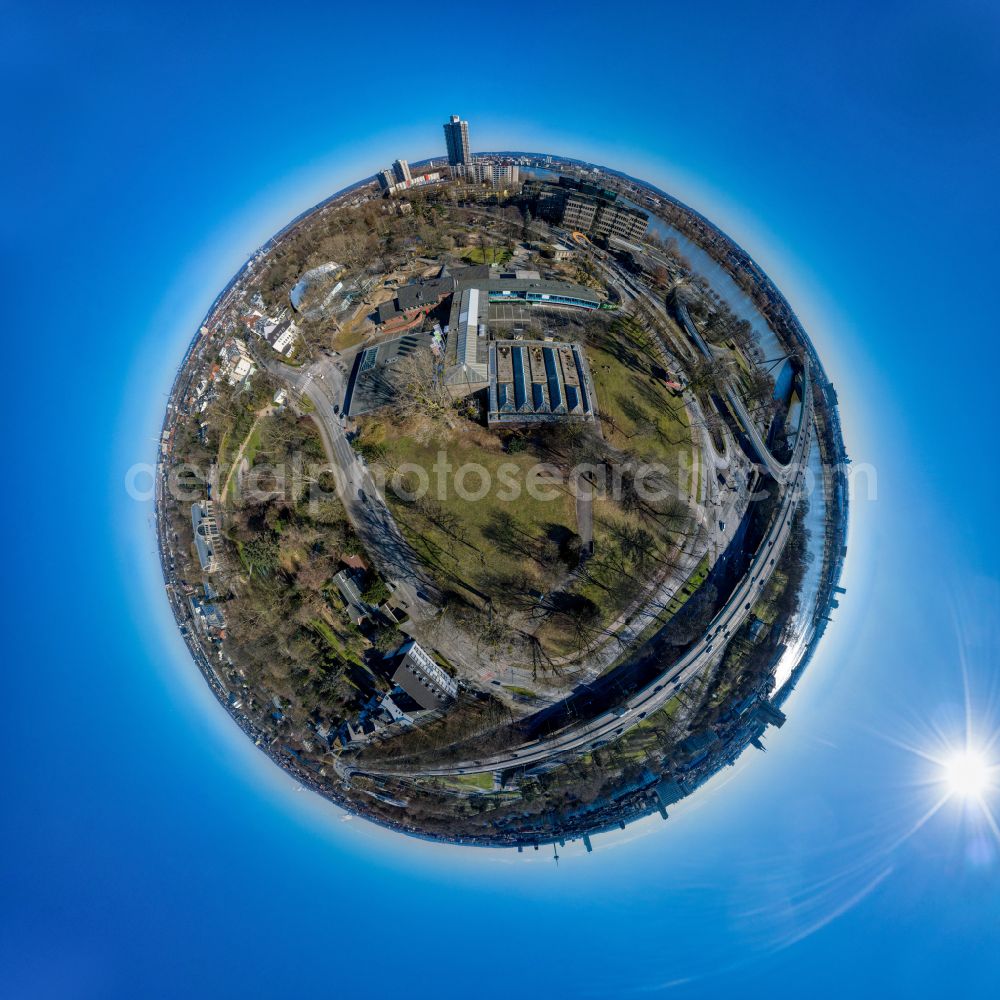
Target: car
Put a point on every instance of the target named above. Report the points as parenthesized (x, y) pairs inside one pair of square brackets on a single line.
[(336, 408)]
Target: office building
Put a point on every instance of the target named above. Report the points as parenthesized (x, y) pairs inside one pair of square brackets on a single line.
[(386, 179), (618, 221), (456, 137), (480, 289), (579, 213), (587, 208)]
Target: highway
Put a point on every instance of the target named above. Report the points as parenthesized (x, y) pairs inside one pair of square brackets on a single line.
[(593, 733), (775, 469)]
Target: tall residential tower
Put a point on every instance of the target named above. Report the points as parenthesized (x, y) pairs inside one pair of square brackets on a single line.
[(456, 135), (401, 172)]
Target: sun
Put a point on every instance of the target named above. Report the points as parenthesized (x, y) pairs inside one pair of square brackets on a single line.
[(967, 774)]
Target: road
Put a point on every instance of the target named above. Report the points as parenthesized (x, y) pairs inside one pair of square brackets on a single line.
[(322, 384), (780, 473), (587, 736)]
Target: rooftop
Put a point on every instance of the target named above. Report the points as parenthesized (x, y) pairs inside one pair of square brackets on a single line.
[(538, 380)]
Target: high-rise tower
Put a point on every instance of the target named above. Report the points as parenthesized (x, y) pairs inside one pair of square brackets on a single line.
[(456, 135), (401, 171)]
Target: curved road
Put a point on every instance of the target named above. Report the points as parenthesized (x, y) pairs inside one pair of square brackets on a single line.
[(321, 383), (780, 473)]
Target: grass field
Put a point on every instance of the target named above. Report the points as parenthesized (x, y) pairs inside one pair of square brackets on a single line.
[(350, 333), (478, 543), (492, 255), (639, 413), (471, 782), (520, 691)]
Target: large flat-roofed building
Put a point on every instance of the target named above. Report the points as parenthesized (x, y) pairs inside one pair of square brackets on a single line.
[(466, 353), (374, 380), (428, 684), (533, 381), (541, 292), (579, 212), (480, 290), (588, 209), (621, 221), (206, 534)]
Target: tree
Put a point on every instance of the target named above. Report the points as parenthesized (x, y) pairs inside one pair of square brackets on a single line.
[(417, 386), (260, 555), (388, 639), (376, 592)]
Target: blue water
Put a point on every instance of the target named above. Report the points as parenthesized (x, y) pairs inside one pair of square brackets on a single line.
[(148, 849)]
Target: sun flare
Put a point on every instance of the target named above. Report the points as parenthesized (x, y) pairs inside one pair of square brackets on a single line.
[(967, 774)]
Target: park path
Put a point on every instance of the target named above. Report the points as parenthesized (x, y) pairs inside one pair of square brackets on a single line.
[(238, 457)]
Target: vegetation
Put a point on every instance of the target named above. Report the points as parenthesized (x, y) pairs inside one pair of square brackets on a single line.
[(487, 255), (535, 584)]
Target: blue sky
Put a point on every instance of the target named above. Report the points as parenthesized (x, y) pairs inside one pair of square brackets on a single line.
[(147, 848)]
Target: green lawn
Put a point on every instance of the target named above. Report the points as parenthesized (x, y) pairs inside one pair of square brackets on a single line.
[(694, 581), (467, 541), (250, 450), (492, 255), (639, 414), (252, 446), (492, 547), (520, 691), (483, 781)]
